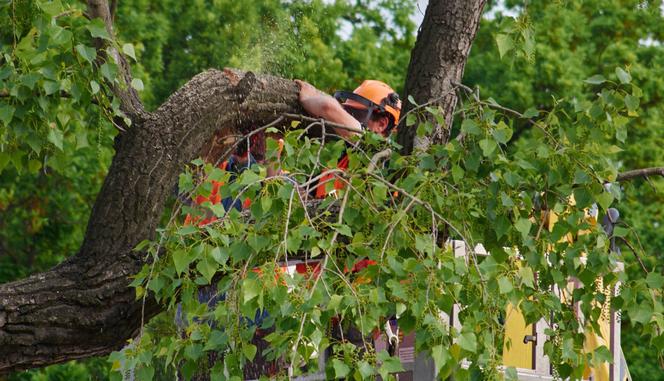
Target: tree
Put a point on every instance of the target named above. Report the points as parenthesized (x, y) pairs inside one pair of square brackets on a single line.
[(93, 282)]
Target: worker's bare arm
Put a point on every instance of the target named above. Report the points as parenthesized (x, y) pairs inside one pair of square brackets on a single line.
[(322, 105)]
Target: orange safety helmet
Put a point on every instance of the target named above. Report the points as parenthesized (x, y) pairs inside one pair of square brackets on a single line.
[(369, 97)]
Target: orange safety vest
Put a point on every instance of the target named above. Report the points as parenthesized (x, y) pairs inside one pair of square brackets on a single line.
[(214, 198), (338, 184)]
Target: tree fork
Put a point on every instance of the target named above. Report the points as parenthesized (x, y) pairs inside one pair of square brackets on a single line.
[(84, 307)]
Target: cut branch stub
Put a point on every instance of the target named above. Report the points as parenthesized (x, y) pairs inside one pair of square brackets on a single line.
[(84, 306)]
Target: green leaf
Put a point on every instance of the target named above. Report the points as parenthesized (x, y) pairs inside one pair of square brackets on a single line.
[(109, 71), (511, 374), (457, 173), (335, 302), (440, 356), (50, 8), (470, 127), (501, 226), (602, 355), (181, 259), (94, 86), (249, 177), (488, 146), (505, 44), (365, 369), (186, 230), (97, 29), (50, 87), (580, 177), (5, 72), (400, 309), (604, 200), (568, 351), (343, 230), (632, 103), (341, 370), (468, 342), (530, 113), (221, 256), (55, 136), (411, 119), (88, 53), (30, 79), (642, 313), (137, 84), (583, 197), (216, 340), (655, 280), (523, 226), (207, 268), (502, 133), (620, 231), (504, 285), (623, 76), (527, 276), (61, 36), (128, 49), (597, 79), (6, 113), (193, 351), (251, 288), (389, 364), (249, 351), (144, 373), (412, 100), (4, 160)]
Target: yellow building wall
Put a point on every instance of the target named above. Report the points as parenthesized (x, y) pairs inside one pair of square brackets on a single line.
[(515, 352)]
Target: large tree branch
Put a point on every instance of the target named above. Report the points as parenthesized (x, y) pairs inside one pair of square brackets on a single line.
[(644, 172), (84, 306)]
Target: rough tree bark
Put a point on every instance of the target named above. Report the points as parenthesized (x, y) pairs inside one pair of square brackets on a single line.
[(84, 307), (437, 61)]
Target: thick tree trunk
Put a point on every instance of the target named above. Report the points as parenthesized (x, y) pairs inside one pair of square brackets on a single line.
[(437, 61), (84, 306)]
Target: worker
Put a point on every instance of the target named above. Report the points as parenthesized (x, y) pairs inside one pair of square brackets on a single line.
[(373, 106), (246, 154)]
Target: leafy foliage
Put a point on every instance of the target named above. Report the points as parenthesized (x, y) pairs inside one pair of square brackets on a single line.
[(576, 40), (56, 132), (472, 189)]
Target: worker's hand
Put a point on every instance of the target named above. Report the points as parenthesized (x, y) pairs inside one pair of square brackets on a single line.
[(307, 91)]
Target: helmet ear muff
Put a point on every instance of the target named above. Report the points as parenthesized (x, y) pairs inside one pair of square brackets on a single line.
[(393, 100)]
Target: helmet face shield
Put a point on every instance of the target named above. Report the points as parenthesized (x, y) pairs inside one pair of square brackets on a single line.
[(345, 97), (361, 115), (371, 98), (357, 106)]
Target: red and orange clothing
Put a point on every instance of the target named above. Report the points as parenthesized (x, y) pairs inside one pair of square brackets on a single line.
[(215, 196)]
